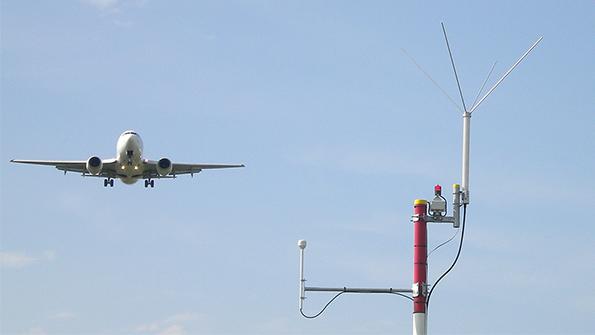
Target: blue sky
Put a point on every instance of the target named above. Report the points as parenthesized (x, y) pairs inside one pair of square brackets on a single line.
[(340, 133)]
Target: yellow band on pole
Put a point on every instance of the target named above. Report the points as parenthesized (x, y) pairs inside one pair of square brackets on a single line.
[(418, 202)]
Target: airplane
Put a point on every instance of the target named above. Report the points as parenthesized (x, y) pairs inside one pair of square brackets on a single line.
[(128, 165)]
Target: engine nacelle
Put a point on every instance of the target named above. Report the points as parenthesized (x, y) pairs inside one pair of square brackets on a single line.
[(94, 165), (164, 167)]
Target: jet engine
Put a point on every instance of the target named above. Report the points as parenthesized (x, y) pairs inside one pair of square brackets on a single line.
[(164, 167), (94, 165)]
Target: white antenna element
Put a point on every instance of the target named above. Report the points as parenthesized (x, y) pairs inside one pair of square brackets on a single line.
[(467, 126), (484, 83), (431, 79), (505, 75)]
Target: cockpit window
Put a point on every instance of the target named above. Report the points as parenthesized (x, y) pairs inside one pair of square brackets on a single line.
[(130, 133)]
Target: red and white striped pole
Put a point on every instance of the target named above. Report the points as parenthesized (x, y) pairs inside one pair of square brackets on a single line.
[(420, 266)]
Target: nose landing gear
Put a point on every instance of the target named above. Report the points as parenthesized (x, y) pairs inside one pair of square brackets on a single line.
[(108, 181), (129, 154), (149, 182)]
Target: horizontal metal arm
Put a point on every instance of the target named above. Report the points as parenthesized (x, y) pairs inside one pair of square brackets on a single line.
[(440, 219), (436, 219), (358, 290)]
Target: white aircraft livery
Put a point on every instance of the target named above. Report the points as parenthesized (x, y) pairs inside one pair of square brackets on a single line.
[(129, 164)]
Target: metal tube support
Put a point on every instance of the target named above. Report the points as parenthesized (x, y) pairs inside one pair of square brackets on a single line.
[(466, 144), (456, 205), (420, 267), (302, 246)]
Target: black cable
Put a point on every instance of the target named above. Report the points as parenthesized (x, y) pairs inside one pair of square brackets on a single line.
[(325, 306), (456, 258), (402, 295), (443, 243), (446, 202), (335, 297)]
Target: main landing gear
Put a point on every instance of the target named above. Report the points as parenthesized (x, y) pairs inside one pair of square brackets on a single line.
[(108, 181), (149, 182)]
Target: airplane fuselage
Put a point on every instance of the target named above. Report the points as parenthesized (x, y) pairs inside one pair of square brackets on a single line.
[(129, 156)]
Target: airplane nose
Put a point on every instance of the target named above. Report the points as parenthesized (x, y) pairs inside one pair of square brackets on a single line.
[(129, 141)]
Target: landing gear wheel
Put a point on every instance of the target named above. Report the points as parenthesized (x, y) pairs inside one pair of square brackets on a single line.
[(105, 181), (146, 183), (111, 183), (152, 182)]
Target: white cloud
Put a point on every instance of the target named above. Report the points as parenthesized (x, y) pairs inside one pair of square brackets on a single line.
[(183, 317), (148, 328), (173, 325), (114, 6), (63, 316), (103, 4), (49, 255), (35, 331), (15, 259), (173, 330)]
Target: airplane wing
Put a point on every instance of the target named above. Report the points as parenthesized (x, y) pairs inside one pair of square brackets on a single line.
[(109, 166), (150, 168)]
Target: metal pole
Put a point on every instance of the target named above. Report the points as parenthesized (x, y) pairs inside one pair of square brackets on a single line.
[(420, 267)]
